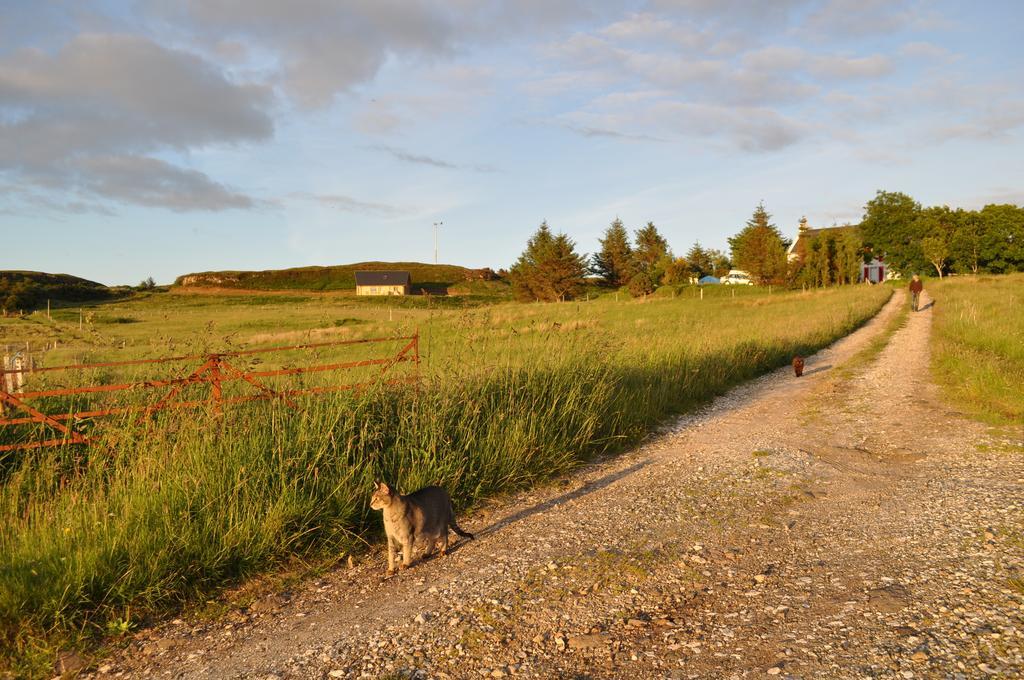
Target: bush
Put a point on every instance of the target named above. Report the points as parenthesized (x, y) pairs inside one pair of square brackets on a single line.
[(640, 285)]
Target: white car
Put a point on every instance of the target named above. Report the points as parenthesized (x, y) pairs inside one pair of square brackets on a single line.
[(737, 278)]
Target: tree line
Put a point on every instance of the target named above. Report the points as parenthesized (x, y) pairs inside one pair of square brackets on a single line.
[(942, 240), (551, 269), (895, 228)]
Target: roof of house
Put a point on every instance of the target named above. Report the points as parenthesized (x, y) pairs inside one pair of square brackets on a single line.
[(807, 234), (366, 278)]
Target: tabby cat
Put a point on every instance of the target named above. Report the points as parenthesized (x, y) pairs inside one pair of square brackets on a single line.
[(418, 520)]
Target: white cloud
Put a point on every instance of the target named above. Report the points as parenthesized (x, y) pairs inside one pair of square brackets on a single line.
[(346, 203), (926, 51), (153, 182), (85, 118), (839, 67), (749, 128)]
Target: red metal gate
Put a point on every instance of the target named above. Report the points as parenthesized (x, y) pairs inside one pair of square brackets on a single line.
[(215, 370)]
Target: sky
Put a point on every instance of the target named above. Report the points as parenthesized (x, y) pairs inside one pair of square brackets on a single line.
[(161, 137)]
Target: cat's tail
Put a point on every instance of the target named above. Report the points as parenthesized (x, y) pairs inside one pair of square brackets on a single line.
[(457, 529)]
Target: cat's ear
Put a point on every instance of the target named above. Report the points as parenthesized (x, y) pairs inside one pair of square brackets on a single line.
[(384, 488)]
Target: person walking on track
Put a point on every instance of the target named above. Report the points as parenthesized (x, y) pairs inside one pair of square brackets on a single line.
[(916, 286)]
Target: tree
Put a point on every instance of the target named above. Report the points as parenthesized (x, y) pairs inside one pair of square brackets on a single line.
[(890, 229), (549, 269), (147, 284), (1002, 247), (935, 226), (641, 284), (965, 243), (849, 255), (614, 262), (720, 263), (651, 247), (759, 249), (677, 271), (936, 251), (700, 261)]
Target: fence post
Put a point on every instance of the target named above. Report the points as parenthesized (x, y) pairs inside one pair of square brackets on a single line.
[(416, 357), (215, 386)]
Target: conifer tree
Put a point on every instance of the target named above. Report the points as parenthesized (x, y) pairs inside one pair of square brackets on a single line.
[(549, 269), (614, 262), (759, 249), (700, 261), (651, 247)]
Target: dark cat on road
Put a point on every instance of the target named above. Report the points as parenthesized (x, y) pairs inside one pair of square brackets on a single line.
[(798, 365), (418, 520)]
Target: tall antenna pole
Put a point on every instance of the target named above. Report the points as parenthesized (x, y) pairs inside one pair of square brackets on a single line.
[(436, 225)]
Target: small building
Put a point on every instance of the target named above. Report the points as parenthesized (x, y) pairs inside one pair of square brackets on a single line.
[(874, 271), (382, 283)]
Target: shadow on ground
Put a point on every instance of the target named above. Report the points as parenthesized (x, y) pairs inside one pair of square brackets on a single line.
[(587, 488)]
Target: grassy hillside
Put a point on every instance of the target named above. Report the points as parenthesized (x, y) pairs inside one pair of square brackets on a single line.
[(25, 290), (338, 277)]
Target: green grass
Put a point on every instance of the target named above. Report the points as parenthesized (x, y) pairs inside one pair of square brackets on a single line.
[(151, 519), (977, 346)]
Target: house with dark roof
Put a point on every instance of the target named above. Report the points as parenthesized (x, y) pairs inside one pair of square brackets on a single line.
[(874, 271), (382, 283)]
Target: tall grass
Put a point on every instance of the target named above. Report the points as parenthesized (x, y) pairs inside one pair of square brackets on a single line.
[(155, 517), (978, 345)]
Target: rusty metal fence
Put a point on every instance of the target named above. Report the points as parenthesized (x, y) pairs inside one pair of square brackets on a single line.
[(216, 370)]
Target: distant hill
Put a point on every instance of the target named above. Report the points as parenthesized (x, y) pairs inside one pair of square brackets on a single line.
[(24, 290), (435, 278)]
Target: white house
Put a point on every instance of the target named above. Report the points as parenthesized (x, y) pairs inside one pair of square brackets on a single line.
[(874, 271)]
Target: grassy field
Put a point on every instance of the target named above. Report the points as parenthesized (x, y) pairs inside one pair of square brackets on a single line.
[(93, 541), (978, 345)]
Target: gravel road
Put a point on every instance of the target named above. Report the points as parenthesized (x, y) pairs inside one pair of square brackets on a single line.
[(847, 524)]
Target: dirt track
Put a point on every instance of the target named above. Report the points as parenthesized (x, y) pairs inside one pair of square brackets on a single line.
[(845, 524)]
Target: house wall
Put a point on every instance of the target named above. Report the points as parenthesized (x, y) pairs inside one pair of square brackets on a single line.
[(874, 271), (382, 290)]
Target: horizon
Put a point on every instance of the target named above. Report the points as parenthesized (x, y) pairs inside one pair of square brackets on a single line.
[(147, 138)]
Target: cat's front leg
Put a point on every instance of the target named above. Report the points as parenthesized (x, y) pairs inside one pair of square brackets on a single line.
[(391, 557), (406, 555)]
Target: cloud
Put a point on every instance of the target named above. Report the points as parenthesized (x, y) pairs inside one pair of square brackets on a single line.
[(88, 116), (775, 58), (732, 11), (122, 92), (156, 183), (748, 128), (349, 204), (927, 51), (328, 48), (587, 131), (838, 67), (421, 159), (995, 196), (648, 28), (860, 18), (993, 123)]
